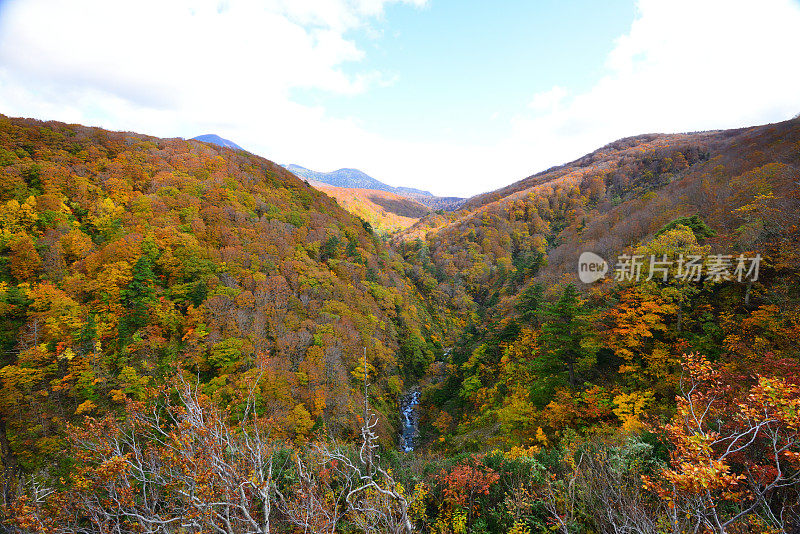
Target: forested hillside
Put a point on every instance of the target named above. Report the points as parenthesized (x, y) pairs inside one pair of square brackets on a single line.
[(183, 327), (387, 213), (742, 183), (127, 259), (502, 277)]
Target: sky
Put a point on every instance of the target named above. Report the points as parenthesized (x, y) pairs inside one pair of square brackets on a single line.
[(456, 97)]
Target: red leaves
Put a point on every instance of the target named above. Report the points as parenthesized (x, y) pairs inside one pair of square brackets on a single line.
[(736, 442), (465, 481)]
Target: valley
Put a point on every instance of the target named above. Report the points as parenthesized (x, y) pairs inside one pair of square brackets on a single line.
[(399, 267), (171, 306)]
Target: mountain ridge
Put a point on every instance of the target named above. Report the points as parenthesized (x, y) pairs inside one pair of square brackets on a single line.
[(215, 139), (186, 251), (345, 177), (122, 255), (350, 178), (586, 160)]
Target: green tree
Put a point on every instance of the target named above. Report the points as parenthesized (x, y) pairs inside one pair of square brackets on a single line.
[(530, 303), (137, 297), (564, 331), (700, 229)]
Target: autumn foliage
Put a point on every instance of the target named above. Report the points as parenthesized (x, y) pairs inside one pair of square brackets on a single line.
[(183, 331)]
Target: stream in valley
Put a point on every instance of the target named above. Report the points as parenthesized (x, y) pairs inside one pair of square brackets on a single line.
[(409, 403), (409, 417)]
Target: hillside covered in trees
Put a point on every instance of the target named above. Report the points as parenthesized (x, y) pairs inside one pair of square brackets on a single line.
[(387, 213), (184, 330), (128, 258)]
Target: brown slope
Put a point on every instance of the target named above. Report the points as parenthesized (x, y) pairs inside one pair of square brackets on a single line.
[(606, 154), (385, 211), (610, 161)]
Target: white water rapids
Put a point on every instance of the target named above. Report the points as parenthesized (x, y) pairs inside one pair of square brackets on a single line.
[(409, 414)]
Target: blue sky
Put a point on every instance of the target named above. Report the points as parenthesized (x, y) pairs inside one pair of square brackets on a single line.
[(462, 69), (457, 97)]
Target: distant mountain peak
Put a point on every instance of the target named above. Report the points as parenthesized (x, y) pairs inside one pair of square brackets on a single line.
[(214, 139), (351, 178), (356, 179)]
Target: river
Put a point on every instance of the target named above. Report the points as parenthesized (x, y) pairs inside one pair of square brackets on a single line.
[(409, 403), (409, 417)]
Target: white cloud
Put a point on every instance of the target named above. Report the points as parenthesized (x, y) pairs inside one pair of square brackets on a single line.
[(181, 68), (685, 65), (548, 101), (168, 67)]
